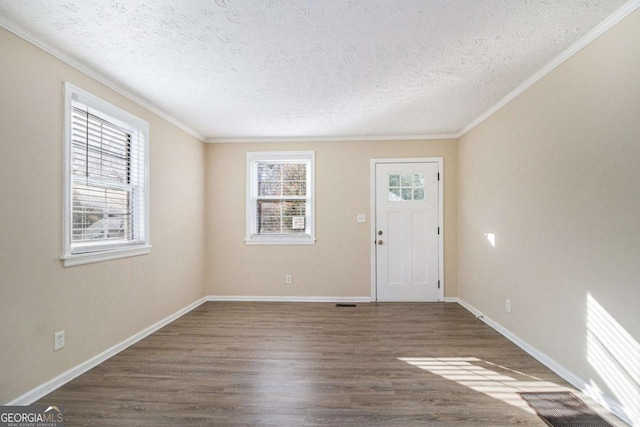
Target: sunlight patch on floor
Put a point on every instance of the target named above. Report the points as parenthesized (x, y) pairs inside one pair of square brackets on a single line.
[(485, 377)]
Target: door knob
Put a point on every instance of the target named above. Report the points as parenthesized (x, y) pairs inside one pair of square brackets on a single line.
[(380, 242)]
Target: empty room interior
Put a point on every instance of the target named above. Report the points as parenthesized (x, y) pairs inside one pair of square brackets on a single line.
[(344, 212)]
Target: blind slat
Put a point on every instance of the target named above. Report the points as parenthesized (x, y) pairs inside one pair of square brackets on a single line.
[(108, 170)]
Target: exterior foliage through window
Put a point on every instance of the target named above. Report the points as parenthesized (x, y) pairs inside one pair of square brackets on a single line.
[(106, 181), (280, 198)]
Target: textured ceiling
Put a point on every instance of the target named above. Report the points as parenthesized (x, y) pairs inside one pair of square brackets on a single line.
[(314, 68)]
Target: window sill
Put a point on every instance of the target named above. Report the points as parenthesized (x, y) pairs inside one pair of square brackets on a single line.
[(262, 240), (71, 260)]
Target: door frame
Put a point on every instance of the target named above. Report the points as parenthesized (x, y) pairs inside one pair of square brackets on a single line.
[(372, 198)]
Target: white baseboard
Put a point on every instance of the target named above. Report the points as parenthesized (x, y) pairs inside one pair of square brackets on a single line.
[(575, 380), (46, 388), (241, 298), (42, 390)]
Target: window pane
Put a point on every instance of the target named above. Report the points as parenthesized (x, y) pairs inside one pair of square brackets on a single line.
[(101, 214), (270, 188), (269, 217), (295, 172), (269, 172), (277, 217), (269, 225), (418, 194), (294, 188), (293, 208), (406, 194), (100, 149), (282, 179), (418, 180), (394, 194), (268, 209), (394, 180), (407, 179)]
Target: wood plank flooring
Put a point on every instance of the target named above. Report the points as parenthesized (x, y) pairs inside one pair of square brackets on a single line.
[(299, 364)]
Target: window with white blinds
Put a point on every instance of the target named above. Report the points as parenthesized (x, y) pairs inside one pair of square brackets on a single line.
[(280, 198), (106, 208)]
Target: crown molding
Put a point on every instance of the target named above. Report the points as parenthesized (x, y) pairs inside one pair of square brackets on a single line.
[(605, 25), (94, 74), (612, 20), (240, 140)]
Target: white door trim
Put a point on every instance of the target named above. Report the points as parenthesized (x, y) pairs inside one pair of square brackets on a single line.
[(372, 199)]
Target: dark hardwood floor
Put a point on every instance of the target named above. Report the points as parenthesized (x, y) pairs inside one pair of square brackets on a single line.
[(297, 364)]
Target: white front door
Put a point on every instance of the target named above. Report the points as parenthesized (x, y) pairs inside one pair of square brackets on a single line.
[(407, 231)]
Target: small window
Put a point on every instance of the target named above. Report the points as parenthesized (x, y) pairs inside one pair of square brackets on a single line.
[(406, 186), (106, 184), (280, 198)]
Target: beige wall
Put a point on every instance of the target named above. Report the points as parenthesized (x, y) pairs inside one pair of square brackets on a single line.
[(98, 305), (556, 176), (553, 174), (338, 265)]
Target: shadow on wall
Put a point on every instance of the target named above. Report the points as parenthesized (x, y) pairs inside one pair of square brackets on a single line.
[(615, 356)]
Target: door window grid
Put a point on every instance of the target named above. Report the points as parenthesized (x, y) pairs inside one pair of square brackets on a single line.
[(406, 186)]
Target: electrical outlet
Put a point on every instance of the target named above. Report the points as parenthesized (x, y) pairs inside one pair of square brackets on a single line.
[(507, 305), (58, 340), (361, 218), (288, 279)]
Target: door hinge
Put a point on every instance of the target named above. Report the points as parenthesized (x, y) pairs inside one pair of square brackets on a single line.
[(438, 284), (438, 230), (438, 176)]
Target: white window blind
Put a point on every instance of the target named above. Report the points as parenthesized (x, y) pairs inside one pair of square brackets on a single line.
[(107, 177), (280, 198)]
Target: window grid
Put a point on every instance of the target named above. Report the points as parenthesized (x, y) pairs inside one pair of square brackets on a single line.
[(280, 198), (102, 193), (101, 158), (406, 186), (106, 181)]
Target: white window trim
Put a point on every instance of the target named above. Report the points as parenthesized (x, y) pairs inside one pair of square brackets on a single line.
[(123, 250), (280, 239)]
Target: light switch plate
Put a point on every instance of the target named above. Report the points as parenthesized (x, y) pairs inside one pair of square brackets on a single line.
[(361, 218)]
